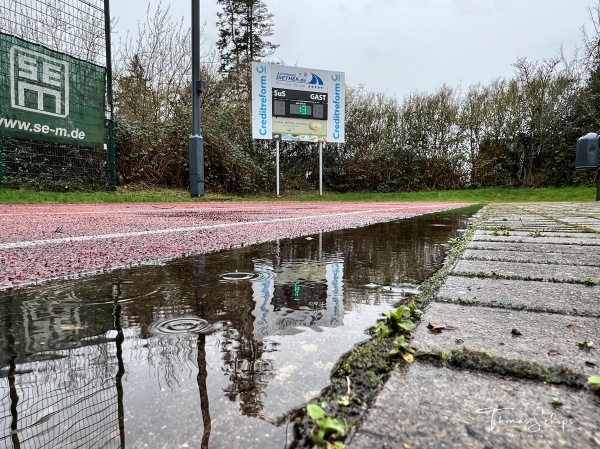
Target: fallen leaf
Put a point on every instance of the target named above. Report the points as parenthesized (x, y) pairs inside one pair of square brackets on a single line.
[(553, 352), (438, 328), (572, 325), (555, 402), (408, 357)]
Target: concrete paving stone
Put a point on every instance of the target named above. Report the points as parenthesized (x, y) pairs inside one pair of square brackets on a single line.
[(523, 223), (521, 217), (479, 236), (573, 206), (491, 330), (524, 226), (519, 230), (593, 227), (527, 271), (585, 216), (424, 407), (548, 257), (575, 234), (508, 219), (535, 247), (574, 299), (562, 209), (581, 219)]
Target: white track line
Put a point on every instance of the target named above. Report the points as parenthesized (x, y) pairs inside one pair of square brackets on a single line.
[(87, 238), (166, 210)]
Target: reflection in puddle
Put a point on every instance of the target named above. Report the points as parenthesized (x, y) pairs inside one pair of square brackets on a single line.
[(237, 276), (183, 325), (212, 351), (262, 273)]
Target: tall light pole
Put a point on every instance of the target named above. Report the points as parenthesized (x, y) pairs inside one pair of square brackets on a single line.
[(196, 159)]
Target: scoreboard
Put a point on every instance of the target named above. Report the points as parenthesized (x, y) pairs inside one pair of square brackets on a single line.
[(299, 104)]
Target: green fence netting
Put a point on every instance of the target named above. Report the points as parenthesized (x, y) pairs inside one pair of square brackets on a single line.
[(56, 129)]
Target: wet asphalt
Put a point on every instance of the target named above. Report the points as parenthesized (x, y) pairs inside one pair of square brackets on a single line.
[(517, 335)]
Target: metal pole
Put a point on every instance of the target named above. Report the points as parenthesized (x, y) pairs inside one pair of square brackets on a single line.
[(277, 165), (196, 158), (321, 168), (112, 164), (598, 185)]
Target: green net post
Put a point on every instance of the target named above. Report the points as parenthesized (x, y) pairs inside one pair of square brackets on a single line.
[(1, 165), (112, 164)]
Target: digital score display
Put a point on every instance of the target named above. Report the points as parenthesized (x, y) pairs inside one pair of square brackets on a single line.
[(299, 104), (300, 109)]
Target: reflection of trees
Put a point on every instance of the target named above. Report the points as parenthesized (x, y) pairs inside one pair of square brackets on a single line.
[(173, 357), (399, 252), (248, 372), (242, 355), (243, 360)]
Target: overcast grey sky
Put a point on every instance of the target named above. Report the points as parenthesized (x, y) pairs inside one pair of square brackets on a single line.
[(403, 46)]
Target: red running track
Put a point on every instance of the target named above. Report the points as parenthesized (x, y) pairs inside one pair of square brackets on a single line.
[(44, 242)]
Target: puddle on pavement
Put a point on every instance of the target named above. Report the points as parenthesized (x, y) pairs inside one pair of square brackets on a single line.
[(211, 351)]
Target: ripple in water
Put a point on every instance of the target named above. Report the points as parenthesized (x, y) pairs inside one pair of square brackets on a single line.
[(97, 294), (237, 276), (247, 276), (184, 325)]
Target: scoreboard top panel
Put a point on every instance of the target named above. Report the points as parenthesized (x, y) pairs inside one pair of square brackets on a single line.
[(299, 95)]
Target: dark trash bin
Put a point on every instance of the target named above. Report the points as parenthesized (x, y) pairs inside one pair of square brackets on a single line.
[(588, 148), (587, 156)]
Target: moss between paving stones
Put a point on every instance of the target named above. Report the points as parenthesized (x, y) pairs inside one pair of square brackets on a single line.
[(361, 373), (565, 223), (525, 307), (482, 361), (516, 277), (363, 370)]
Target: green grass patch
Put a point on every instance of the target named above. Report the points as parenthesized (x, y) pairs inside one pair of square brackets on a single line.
[(491, 195), (128, 195), (121, 195)]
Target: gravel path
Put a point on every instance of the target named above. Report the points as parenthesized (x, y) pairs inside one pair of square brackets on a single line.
[(39, 243)]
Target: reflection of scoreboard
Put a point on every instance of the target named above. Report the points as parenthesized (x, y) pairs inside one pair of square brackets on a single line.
[(302, 294), (299, 104)]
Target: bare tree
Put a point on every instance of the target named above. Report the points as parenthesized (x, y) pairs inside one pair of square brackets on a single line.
[(152, 68)]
